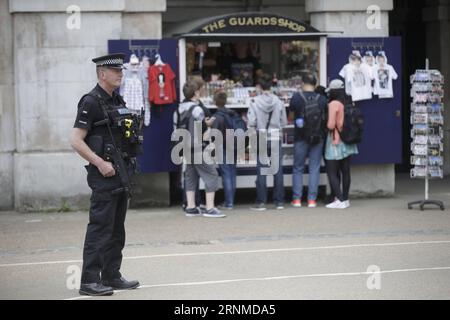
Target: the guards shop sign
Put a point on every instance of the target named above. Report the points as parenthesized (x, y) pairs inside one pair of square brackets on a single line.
[(254, 23)]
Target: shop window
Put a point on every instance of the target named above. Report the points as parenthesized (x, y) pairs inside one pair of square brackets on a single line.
[(235, 67)]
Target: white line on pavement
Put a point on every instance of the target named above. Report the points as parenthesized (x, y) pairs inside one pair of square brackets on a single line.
[(81, 297), (347, 274), (236, 252)]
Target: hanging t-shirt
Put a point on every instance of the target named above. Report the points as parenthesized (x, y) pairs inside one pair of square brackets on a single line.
[(143, 74), (132, 92), (162, 84), (383, 81), (372, 74), (346, 74), (357, 81)]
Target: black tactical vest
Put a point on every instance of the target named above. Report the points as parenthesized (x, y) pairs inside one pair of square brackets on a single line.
[(116, 126)]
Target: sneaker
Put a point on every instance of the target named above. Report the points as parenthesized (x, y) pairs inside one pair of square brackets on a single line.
[(296, 203), (214, 213), (258, 207), (347, 203), (203, 210), (194, 212), (342, 205), (312, 203), (279, 206), (336, 205)]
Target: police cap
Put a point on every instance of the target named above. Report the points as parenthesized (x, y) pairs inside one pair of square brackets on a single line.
[(111, 61)]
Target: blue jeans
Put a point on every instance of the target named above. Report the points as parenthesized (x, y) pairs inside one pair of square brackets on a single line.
[(302, 150), (228, 173), (261, 181)]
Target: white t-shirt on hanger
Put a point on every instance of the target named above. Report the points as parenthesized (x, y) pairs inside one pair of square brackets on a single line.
[(346, 73), (383, 81), (357, 81), (372, 69), (132, 91)]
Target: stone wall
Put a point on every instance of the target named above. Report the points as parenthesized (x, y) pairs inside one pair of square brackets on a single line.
[(7, 116), (52, 70)]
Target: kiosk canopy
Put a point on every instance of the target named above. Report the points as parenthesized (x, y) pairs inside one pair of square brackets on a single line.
[(247, 24)]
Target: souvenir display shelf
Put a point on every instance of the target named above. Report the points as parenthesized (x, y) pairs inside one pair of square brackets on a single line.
[(427, 130), (239, 100)]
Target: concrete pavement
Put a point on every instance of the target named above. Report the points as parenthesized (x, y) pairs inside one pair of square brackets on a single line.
[(377, 249)]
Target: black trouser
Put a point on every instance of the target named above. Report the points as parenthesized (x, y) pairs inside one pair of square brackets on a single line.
[(105, 235), (337, 171)]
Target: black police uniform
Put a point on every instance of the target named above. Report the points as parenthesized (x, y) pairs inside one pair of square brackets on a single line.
[(105, 235)]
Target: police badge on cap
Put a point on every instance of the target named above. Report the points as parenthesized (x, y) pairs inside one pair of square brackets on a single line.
[(111, 61)]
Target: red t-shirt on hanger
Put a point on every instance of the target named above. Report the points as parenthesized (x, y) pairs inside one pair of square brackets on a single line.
[(161, 89)]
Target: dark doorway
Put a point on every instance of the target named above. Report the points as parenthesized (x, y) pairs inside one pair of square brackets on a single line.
[(406, 21)]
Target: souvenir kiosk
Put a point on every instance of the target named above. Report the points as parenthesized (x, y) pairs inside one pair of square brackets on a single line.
[(231, 51), (284, 48)]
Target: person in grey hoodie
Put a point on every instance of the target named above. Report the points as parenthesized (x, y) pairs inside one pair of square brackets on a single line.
[(268, 114)]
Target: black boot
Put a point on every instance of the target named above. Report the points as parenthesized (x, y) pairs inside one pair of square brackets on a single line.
[(121, 284), (95, 289)]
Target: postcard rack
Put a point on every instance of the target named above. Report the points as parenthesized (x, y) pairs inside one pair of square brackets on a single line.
[(427, 122)]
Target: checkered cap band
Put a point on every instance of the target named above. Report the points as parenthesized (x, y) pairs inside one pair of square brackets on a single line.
[(110, 62)]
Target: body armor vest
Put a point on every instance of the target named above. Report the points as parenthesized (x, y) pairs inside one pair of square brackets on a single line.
[(125, 126)]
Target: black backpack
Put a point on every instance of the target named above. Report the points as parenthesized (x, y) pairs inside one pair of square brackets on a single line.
[(313, 116), (232, 120), (183, 122), (184, 118), (352, 130)]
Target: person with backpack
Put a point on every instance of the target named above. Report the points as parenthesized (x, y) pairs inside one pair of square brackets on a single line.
[(309, 110), (200, 83), (345, 126), (188, 115), (268, 114), (227, 119)]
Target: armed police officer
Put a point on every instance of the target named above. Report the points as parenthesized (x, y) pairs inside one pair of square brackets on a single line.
[(107, 135)]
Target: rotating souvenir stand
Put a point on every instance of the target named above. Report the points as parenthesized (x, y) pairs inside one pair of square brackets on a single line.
[(427, 130)]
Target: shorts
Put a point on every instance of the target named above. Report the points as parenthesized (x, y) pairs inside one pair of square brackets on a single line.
[(207, 172)]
